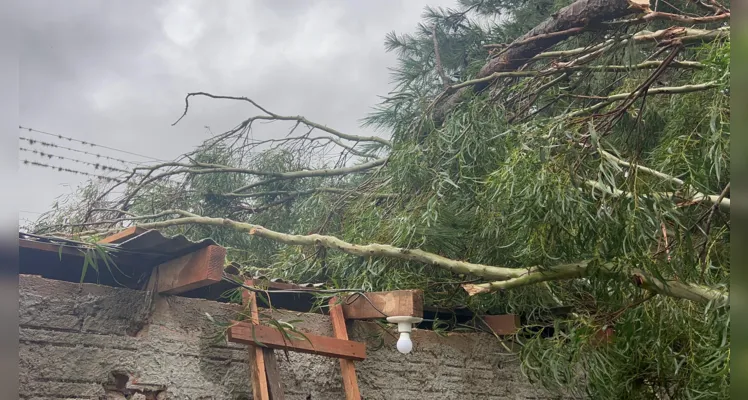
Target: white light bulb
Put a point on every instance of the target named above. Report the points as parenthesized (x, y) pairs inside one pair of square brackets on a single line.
[(404, 344), (404, 326)]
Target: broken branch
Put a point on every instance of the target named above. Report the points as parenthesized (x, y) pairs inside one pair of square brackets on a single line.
[(672, 288)]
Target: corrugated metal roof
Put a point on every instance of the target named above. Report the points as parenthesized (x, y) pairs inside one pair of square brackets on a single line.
[(146, 248), (161, 247), (135, 251)]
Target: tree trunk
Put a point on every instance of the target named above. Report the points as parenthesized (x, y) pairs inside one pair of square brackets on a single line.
[(571, 18)]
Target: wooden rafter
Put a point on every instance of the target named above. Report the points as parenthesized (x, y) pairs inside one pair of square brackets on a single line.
[(408, 303), (191, 271)]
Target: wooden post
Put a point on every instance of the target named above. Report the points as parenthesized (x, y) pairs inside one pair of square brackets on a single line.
[(256, 355), (350, 383), (275, 384)]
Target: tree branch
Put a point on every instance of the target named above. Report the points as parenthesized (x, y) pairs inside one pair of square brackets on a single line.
[(672, 288), (438, 60), (579, 14), (505, 47), (674, 17), (316, 173), (331, 242), (623, 96), (685, 35), (696, 198), (276, 117), (311, 191), (562, 68), (509, 277)]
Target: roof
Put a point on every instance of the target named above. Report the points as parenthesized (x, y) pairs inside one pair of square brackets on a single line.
[(134, 252)]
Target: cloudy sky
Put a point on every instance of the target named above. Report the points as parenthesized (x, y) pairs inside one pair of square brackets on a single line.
[(115, 73)]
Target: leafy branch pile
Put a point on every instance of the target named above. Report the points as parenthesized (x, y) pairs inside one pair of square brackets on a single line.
[(533, 155)]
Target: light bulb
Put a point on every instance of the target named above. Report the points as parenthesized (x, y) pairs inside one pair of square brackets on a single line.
[(404, 326), (404, 344)]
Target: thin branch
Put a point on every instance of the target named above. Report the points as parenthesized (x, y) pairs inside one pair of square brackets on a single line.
[(438, 60), (674, 17), (624, 96), (276, 117), (694, 199), (686, 35), (641, 168), (316, 173), (708, 227), (697, 197), (711, 6), (311, 191), (561, 68)]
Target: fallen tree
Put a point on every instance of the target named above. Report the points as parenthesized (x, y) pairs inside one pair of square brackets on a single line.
[(584, 165)]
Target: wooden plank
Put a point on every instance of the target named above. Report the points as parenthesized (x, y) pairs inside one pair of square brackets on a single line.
[(275, 383), (121, 236), (506, 324), (257, 371), (242, 332), (384, 304), (194, 270), (348, 370)]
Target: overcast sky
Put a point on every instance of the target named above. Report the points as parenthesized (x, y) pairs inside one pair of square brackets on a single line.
[(115, 73)]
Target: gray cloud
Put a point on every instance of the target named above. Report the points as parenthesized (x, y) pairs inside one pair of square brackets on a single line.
[(115, 73)]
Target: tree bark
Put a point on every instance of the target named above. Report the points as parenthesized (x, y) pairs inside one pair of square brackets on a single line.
[(571, 19)]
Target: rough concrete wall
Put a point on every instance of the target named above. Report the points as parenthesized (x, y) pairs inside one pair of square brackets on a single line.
[(73, 338)]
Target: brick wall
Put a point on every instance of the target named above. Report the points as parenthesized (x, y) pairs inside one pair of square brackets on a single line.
[(74, 339)]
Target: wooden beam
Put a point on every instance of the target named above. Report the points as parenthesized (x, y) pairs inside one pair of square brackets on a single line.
[(350, 383), (242, 332), (376, 305), (55, 248), (506, 324), (191, 271), (257, 371), (121, 236), (275, 384)]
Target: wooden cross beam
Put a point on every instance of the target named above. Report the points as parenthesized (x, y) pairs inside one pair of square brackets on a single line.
[(249, 333), (264, 372), (265, 376)]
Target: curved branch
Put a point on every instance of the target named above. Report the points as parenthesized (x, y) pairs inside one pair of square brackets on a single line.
[(508, 277), (331, 242), (276, 117)]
